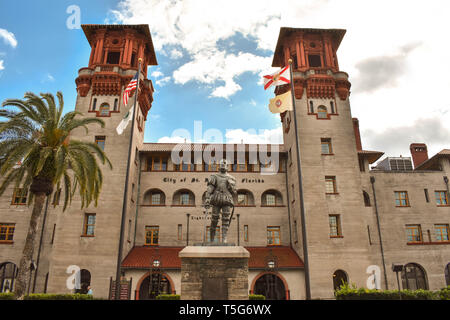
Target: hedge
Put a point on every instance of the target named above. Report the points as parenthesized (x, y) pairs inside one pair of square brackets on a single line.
[(7, 296), (168, 297), (256, 297), (352, 293), (49, 296)]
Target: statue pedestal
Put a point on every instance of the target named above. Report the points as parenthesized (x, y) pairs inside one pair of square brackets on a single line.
[(214, 273)]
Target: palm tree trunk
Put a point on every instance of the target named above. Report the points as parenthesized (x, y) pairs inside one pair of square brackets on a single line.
[(27, 254)]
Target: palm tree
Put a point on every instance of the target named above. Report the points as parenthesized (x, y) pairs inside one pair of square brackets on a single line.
[(36, 153)]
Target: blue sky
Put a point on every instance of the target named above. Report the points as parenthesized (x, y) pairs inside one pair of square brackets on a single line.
[(212, 54)]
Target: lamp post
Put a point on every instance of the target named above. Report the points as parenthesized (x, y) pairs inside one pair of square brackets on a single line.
[(155, 275), (398, 268)]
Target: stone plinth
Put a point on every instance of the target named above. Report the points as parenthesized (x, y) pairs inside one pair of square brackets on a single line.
[(214, 273)]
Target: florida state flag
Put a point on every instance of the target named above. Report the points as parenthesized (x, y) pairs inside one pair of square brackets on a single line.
[(278, 78)]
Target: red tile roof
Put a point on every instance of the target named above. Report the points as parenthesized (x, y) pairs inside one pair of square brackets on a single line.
[(140, 257)]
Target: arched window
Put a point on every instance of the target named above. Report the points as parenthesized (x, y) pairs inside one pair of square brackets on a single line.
[(322, 112), (104, 109), (116, 104), (154, 197), (8, 275), (414, 277), (244, 198), (183, 197), (339, 278), (447, 274), (271, 198), (366, 199)]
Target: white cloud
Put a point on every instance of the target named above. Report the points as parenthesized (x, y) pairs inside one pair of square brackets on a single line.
[(162, 82), (253, 102), (157, 74), (174, 139), (8, 37), (1, 65), (266, 136), (175, 54)]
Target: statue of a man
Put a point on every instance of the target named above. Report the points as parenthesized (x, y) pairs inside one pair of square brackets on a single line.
[(219, 194)]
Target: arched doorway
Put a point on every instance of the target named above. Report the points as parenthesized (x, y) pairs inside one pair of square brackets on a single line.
[(8, 275), (339, 278), (154, 285), (271, 286), (413, 277), (85, 281)]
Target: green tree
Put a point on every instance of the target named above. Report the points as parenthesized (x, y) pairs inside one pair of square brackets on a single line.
[(37, 154)]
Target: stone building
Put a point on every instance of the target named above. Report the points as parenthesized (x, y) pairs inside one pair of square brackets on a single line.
[(356, 221)]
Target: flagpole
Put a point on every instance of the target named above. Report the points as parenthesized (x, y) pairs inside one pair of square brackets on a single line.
[(125, 192), (300, 189)]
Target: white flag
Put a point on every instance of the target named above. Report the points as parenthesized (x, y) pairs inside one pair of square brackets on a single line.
[(281, 103), (126, 119)]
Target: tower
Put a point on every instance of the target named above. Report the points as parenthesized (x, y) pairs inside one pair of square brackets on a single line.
[(329, 154), (89, 237)]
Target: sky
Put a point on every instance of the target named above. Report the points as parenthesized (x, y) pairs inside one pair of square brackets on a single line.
[(212, 55)]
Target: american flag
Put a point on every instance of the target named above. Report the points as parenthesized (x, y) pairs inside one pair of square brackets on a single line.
[(131, 86)]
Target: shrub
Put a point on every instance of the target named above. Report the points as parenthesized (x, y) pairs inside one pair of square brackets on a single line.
[(256, 297), (168, 297), (7, 296), (352, 293), (49, 296), (444, 293)]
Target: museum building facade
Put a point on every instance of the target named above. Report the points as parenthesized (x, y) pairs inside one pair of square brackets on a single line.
[(308, 225)]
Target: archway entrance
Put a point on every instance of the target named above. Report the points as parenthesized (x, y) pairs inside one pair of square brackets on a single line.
[(270, 286), (154, 285), (339, 278)]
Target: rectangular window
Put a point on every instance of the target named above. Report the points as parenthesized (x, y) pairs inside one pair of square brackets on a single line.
[(89, 224), (216, 236), (401, 199), (152, 235), (113, 58), (132, 192), (273, 236), (427, 197), (184, 199), (242, 199), (314, 61), (441, 198), (129, 230), (332, 107), (335, 225), (441, 231), (7, 232), (100, 141), (156, 198), (270, 199), (413, 233), (19, 196), (53, 233), (246, 233), (326, 146), (180, 232), (157, 164), (330, 184)]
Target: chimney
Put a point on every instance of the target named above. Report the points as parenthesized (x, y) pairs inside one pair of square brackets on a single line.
[(357, 135), (419, 153)]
